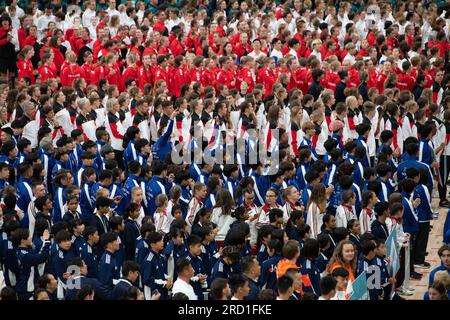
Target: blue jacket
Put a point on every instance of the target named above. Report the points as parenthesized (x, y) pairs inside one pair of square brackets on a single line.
[(154, 268), (361, 141), (155, 187), (130, 234), (24, 193), (262, 184), (195, 171), (130, 153), (426, 153), (223, 270), (186, 197), (386, 190), (199, 267), (12, 162), (101, 292), (306, 193), (307, 142), (411, 162), (58, 165), (108, 270), (330, 174), (77, 245), (363, 265), (59, 200), (310, 268), (262, 254), (116, 190), (433, 272), (410, 217), (57, 263), (254, 289), (424, 209), (321, 262), (27, 261), (176, 252), (301, 171), (230, 185), (86, 205), (131, 182), (163, 146), (89, 256), (79, 176), (379, 230), (142, 251), (268, 276), (120, 289), (10, 263), (98, 158)]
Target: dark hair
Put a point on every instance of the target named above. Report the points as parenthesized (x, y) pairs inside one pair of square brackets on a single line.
[(181, 265), (274, 214), (367, 246), (129, 266), (107, 238), (381, 207), (311, 249), (284, 283), (89, 231), (327, 285), (236, 281), (217, 287)]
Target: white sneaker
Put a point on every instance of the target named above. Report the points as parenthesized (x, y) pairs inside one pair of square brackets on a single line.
[(404, 292), (410, 289)]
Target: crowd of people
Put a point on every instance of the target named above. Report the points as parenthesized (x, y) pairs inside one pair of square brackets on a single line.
[(108, 111)]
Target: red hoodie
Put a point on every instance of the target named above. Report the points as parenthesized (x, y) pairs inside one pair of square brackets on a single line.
[(25, 69), (70, 73)]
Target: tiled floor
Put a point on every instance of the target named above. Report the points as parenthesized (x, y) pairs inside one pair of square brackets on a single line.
[(434, 243)]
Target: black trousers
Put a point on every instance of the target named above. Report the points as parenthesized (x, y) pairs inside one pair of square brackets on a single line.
[(118, 155), (413, 247), (421, 242), (444, 170), (400, 276)]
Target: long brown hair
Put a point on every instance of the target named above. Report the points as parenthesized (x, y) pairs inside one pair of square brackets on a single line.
[(318, 196), (224, 200), (337, 257)]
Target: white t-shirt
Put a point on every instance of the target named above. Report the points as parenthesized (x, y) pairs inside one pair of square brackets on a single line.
[(184, 287), (223, 222)]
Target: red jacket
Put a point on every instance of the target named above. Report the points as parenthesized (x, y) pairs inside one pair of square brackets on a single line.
[(131, 73), (22, 34), (179, 78), (381, 78), (70, 73), (114, 77), (331, 80), (224, 77), (145, 76), (30, 41), (208, 78), (195, 75), (47, 72), (159, 26), (89, 73), (245, 74), (405, 81), (25, 69), (98, 73), (161, 74), (267, 78), (176, 48), (241, 49), (353, 81)]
